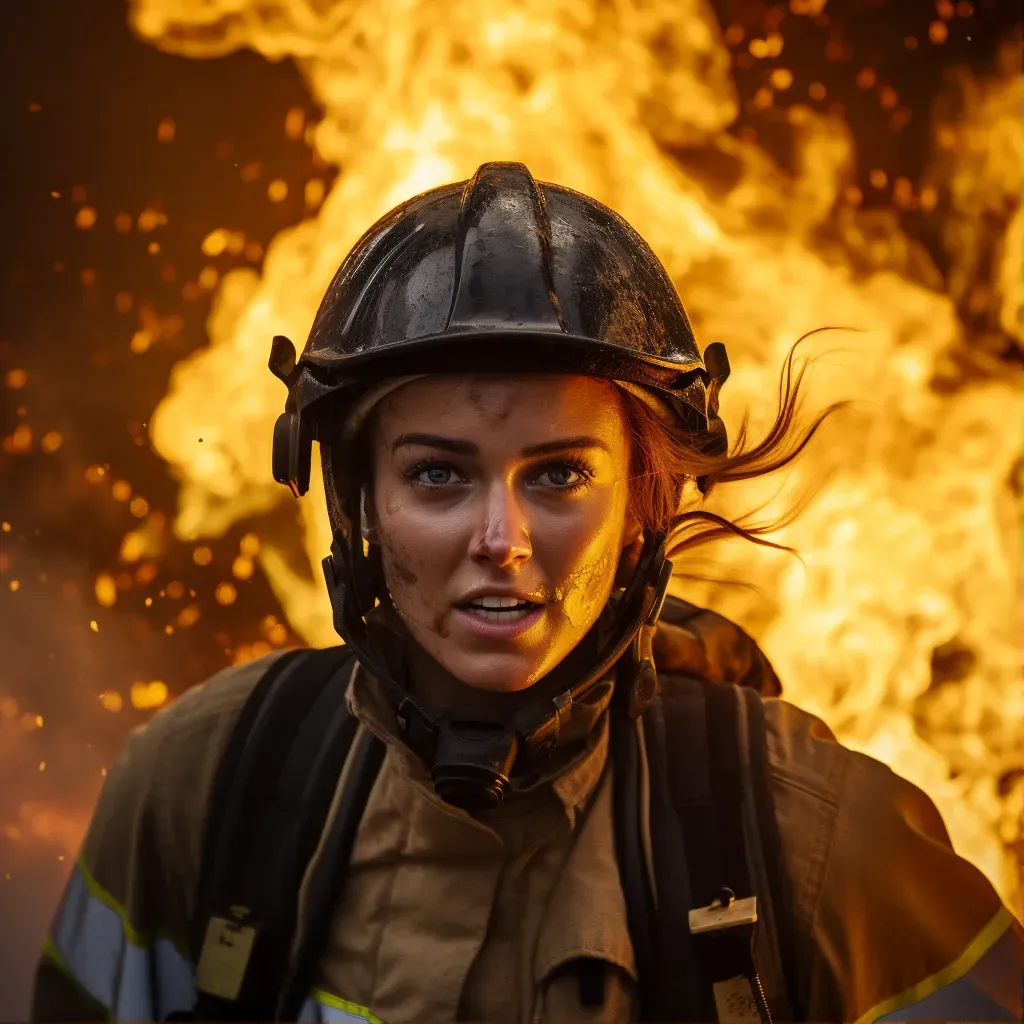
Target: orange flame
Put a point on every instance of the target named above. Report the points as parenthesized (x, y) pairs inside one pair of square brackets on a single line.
[(908, 550)]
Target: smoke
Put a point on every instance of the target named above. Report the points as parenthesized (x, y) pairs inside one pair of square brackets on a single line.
[(56, 737)]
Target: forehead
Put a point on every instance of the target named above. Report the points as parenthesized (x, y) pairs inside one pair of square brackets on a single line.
[(528, 404)]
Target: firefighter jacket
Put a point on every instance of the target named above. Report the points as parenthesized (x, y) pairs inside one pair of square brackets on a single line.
[(449, 916)]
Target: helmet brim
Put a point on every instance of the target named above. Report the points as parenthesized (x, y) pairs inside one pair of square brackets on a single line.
[(512, 350)]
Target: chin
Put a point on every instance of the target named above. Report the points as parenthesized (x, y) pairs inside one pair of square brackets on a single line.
[(497, 673)]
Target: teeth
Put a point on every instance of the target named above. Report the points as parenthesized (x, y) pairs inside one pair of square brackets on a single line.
[(501, 614), (498, 602)]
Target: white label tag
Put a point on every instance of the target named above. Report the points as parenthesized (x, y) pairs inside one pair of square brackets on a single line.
[(734, 1001), (225, 956)]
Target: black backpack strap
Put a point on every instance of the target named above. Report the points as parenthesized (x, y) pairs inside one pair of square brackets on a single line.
[(630, 855), (678, 991), (271, 796), (771, 852), (694, 745), (329, 874)]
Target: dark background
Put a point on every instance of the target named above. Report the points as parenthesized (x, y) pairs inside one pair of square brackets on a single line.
[(81, 105)]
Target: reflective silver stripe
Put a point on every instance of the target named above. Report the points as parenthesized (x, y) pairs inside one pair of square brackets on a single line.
[(110, 960), (993, 989), (309, 1012)]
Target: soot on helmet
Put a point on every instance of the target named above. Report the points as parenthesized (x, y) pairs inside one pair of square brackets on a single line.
[(488, 276)]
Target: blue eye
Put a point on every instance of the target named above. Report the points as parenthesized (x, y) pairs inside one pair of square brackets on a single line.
[(560, 477), (563, 476), (434, 475)]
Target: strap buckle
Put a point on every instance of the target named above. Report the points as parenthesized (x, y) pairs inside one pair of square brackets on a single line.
[(727, 926), (725, 911)]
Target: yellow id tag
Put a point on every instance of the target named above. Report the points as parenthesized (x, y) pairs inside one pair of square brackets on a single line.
[(225, 956), (734, 1001)]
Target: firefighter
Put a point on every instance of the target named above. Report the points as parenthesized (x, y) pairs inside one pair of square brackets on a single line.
[(512, 416)]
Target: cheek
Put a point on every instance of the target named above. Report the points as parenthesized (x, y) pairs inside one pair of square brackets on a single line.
[(581, 555), (418, 553), (407, 581), (404, 565), (397, 570)]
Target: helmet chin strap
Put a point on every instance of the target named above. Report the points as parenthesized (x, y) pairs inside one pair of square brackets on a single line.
[(471, 758)]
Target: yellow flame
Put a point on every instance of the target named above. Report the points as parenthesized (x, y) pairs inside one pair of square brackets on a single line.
[(908, 551), (106, 590), (48, 823), (112, 700), (148, 695)]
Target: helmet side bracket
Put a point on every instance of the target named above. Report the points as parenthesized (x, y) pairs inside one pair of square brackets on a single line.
[(293, 444)]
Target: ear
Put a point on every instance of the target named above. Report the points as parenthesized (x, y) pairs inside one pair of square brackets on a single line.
[(632, 545)]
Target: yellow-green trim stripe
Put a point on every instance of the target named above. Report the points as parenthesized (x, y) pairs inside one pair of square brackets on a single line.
[(92, 941), (131, 933), (354, 1010), (973, 952)]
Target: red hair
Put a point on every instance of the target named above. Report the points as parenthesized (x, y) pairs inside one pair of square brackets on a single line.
[(662, 459)]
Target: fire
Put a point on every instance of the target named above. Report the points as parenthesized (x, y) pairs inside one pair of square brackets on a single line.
[(899, 627), (36, 821)]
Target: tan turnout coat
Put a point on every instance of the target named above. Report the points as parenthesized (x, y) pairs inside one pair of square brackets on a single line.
[(446, 916)]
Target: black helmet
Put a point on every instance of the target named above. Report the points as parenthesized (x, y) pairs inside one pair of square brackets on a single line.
[(494, 274)]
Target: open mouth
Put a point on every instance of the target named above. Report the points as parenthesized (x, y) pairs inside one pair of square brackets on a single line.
[(500, 609)]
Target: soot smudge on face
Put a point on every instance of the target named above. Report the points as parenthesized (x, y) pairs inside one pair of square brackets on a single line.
[(498, 410), (397, 569), (439, 626), (399, 575), (405, 575)]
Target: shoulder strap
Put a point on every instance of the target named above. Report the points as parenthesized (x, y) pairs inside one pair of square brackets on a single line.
[(270, 799), (771, 852), (693, 743), (676, 992), (629, 816)]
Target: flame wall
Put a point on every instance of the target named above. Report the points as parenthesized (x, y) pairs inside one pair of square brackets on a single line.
[(900, 627)]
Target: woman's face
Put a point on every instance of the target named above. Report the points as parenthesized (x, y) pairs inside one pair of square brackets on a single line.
[(500, 508)]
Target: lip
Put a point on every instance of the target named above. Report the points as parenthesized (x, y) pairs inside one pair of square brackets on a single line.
[(498, 630), (520, 595)]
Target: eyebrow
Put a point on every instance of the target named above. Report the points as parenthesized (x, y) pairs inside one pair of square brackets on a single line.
[(461, 447)]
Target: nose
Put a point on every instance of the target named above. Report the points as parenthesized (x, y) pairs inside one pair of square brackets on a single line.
[(504, 535)]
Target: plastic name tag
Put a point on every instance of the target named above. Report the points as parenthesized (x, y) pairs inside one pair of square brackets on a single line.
[(736, 912), (734, 1001), (225, 956)]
